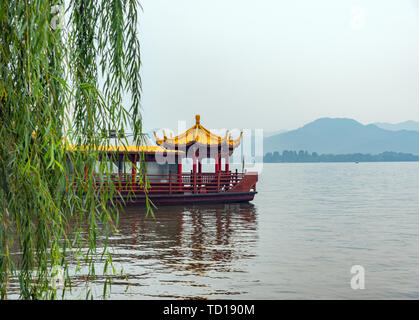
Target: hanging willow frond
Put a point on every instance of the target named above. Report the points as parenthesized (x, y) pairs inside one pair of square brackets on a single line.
[(59, 85)]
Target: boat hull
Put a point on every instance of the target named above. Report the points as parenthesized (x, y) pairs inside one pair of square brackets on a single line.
[(174, 199)]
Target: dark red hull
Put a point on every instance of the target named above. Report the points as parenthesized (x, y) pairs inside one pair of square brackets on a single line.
[(174, 199)]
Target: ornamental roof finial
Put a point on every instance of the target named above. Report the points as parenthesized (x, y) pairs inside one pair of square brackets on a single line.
[(197, 117)]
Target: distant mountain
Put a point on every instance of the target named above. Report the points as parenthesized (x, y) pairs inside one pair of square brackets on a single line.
[(407, 125), (272, 133), (343, 136)]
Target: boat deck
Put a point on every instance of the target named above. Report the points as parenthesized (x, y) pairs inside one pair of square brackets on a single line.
[(188, 188)]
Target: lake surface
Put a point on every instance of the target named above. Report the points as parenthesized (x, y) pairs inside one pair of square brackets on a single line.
[(308, 225)]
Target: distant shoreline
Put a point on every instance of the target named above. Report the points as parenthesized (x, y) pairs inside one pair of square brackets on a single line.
[(379, 161), (306, 157)]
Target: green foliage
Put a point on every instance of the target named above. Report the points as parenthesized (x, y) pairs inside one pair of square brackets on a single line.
[(51, 95)]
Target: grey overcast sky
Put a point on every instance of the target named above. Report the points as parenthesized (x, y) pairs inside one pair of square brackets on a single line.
[(275, 64)]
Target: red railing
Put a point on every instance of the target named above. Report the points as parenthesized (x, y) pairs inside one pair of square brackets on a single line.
[(184, 183)]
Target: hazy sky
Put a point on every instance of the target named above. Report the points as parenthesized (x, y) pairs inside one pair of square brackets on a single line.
[(276, 64)]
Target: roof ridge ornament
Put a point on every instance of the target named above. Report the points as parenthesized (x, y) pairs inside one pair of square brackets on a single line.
[(198, 134)]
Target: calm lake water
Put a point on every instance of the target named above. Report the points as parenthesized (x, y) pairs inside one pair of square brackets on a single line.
[(308, 225)]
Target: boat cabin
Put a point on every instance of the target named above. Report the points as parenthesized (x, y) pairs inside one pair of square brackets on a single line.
[(169, 184)]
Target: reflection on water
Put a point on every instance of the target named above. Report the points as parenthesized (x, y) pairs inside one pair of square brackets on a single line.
[(308, 225), (185, 252)]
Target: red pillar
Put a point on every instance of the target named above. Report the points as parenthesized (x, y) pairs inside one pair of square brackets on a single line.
[(194, 172), (179, 169), (194, 163), (216, 164), (227, 164)]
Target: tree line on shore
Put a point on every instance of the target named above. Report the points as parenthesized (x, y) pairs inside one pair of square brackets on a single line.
[(305, 156)]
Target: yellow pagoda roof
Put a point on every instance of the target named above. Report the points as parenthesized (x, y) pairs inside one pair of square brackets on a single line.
[(198, 134), (130, 149)]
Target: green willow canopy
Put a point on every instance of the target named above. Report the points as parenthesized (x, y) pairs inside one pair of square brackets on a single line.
[(64, 70)]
